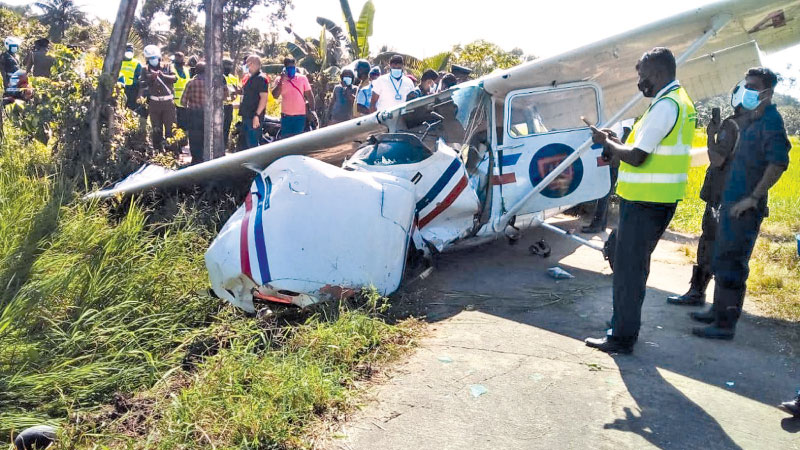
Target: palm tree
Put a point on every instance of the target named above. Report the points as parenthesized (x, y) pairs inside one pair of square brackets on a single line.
[(60, 15)]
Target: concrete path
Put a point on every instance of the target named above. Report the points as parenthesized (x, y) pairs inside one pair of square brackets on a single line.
[(504, 365)]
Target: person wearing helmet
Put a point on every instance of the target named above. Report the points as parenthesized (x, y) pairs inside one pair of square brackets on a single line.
[(157, 86), (8, 60), (232, 84), (182, 78), (129, 74), (363, 86)]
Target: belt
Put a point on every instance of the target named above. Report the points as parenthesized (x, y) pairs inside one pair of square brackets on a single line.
[(162, 98)]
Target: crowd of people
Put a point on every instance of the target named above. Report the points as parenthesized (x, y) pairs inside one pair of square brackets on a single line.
[(170, 93), (174, 95)]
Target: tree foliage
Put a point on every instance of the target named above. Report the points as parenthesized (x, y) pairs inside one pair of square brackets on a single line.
[(483, 57), (59, 15)]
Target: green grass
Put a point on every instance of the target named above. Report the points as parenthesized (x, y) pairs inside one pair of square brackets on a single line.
[(774, 280), (101, 304)]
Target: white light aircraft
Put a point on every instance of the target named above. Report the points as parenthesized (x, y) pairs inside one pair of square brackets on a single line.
[(508, 151)]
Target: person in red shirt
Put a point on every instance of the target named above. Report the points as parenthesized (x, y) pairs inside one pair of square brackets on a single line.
[(297, 100)]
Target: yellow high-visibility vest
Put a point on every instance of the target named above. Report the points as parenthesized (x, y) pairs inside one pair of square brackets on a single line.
[(180, 83), (128, 70), (231, 80), (663, 176)]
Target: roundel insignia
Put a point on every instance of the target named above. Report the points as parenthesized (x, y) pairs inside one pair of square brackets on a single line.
[(547, 159)]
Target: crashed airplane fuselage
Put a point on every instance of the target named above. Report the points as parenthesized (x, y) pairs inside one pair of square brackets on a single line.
[(481, 160)]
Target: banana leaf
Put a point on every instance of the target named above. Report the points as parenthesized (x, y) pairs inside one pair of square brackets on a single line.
[(297, 52), (351, 26), (364, 28)]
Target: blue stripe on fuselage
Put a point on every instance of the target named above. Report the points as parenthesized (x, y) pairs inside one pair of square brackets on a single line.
[(258, 229), (509, 160), (439, 185)]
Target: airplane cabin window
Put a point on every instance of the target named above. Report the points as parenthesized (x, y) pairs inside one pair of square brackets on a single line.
[(551, 111)]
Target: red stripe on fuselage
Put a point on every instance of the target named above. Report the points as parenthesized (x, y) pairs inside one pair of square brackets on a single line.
[(244, 250), (505, 178), (444, 204)]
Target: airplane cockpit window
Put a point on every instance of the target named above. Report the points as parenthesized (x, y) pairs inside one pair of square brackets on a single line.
[(391, 149), (551, 111)]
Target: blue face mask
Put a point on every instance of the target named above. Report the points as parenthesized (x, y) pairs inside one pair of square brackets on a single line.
[(154, 61), (13, 48), (291, 71), (397, 73), (347, 81), (747, 98)]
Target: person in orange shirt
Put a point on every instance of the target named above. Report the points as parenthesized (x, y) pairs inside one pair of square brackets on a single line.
[(297, 100)]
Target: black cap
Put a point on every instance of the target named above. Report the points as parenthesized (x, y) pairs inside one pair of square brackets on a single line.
[(455, 69)]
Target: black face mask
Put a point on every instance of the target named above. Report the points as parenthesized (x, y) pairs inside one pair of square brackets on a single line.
[(647, 88), (227, 70)]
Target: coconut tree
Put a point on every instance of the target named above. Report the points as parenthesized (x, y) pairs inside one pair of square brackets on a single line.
[(59, 15)]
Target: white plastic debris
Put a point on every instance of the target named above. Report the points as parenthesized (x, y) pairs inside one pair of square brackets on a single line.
[(730, 383), (445, 359), (477, 390), (559, 274)]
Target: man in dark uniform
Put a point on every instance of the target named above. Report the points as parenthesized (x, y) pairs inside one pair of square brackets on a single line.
[(722, 138), (758, 163), (38, 62), (654, 163)]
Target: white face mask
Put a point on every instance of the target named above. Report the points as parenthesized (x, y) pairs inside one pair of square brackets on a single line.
[(245, 69), (128, 55), (154, 61), (13, 48), (347, 80), (397, 73)]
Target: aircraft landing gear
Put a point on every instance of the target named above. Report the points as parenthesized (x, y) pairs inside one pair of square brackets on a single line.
[(540, 248)]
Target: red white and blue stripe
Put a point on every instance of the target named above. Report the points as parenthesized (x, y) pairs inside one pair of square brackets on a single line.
[(252, 242), (447, 189)]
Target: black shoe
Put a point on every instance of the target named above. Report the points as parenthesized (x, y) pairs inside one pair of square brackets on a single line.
[(706, 316), (691, 298), (593, 228), (697, 290), (714, 332), (610, 345), (793, 407)]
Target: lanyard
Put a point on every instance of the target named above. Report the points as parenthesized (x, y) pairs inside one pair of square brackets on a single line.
[(396, 88)]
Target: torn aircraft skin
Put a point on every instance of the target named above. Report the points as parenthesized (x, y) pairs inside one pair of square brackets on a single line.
[(468, 165)]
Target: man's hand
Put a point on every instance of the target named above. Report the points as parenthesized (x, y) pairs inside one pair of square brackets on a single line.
[(602, 136), (256, 123), (743, 205)]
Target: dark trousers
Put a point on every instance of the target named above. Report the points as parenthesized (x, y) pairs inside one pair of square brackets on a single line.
[(251, 135), (734, 245), (162, 117), (131, 96), (180, 118), (641, 225), (601, 210), (227, 118), (705, 246), (196, 133), (292, 125)]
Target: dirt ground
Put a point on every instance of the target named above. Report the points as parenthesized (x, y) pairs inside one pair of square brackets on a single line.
[(504, 365)]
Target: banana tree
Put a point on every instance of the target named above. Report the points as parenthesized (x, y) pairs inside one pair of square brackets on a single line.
[(359, 31)]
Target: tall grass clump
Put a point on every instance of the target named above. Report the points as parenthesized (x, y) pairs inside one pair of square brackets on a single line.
[(106, 329)]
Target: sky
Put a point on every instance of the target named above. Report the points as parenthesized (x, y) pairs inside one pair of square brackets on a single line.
[(542, 28)]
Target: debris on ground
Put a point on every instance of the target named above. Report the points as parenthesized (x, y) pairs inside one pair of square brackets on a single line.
[(445, 359), (559, 274), (477, 390)]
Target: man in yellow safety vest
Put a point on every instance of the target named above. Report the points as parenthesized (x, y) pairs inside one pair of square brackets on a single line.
[(129, 73), (654, 165), (232, 84), (182, 72)]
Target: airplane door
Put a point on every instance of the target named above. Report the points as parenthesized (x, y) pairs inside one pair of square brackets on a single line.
[(541, 127)]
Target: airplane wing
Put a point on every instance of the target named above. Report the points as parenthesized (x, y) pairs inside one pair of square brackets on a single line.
[(754, 26)]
